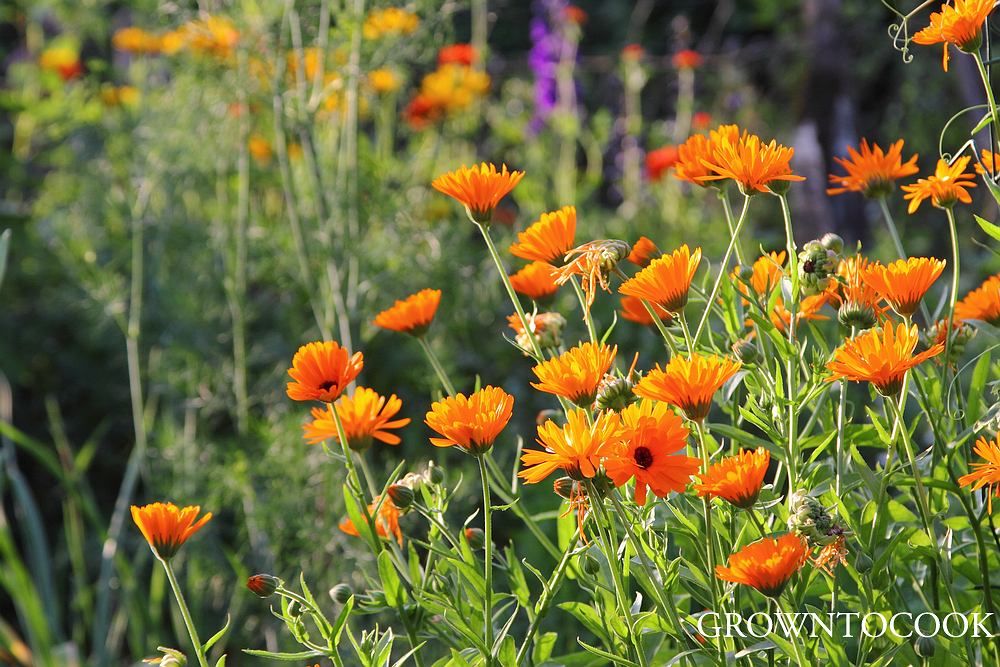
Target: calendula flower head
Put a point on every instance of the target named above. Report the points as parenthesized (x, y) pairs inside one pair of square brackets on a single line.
[(985, 473), (537, 281), (982, 303), (167, 527), (766, 565), (260, 149), (478, 188), (576, 447), (947, 186), (549, 238), (576, 373), (872, 171), (959, 23), (412, 315), (667, 279), (753, 165), (452, 88), (389, 22), (321, 371), (365, 415), (695, 154), (593, 262), (860, 304), (659, 161), (470, 423), (881, 356), (812, 522), (386, 517), (633, 310), (652, 435), (989, 163), (736, 479), (961, 334), (689, 383), (643, 252), (546, 327), (817, 268), (904, 282)]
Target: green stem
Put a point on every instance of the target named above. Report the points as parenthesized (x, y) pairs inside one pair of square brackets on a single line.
[(890, 224), (587, 317), (791, 364), (436, 364), (990, 99), (667, 338), (353, 481), (794, 641), (707, 504), (728, 209), (722, 269), (953, 297), (185, 614), (542, 606), (488, 561), (535, 349)]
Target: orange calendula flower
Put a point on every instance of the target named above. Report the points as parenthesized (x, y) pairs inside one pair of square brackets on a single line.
[(947, 186), (576, 373), (985, 473), (751, 163), (989, 164), (904, 282), (537, 281), (366, 416), (386, 521), (478, 188), (659, 161), (959, 23), (549, 238), (457, 54), (470, 423), (688, 383), (412, 315), (321, 371), (167, 527), (666, 280), (577, 447), (982, 303), (643, 252), (767, 564), (881, 357), (695, 154), (736, 479), (872, 171), (633, 310), (652, 434)]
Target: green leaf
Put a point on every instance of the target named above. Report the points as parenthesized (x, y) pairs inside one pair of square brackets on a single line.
[(217, 636), (286, 657), (988, 227), (221, 662), (543, 647), (358, 518), (507, 655), (588, 616), (618, 660), (390, 580)]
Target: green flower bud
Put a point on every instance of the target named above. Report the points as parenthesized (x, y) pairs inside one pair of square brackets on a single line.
[(476, 538), (437, 474), (341, 593), (863, 563), (832, 242), (615, 393), (402, 496), (924, 647), (746, 351), (590, 564), (566, 487), (856, 315)]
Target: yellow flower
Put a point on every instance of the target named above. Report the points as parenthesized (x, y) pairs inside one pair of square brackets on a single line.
[(389, 22), (383, 80)]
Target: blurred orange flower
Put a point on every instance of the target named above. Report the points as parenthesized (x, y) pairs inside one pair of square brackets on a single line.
[(389, 22), (643, 252), (686, 59), (537, 281), (659, 161), (982, 303), (412, 315), (321, 371), (458, 54), (386, 522)]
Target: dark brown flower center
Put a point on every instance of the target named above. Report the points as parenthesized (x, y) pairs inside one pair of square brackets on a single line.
[(643, 457), (808, 266), (327, 385)]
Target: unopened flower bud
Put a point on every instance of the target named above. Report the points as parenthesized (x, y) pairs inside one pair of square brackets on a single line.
[(590, 564), (746, 351), (437, 474), (832, 242), (615, 393), (341, 593), (961, 334), (777, 187), (402, 496), (855, 315), (566, 487), (817, 268), (263, 585), (476, 538), (863, 563), (171, 658), (924, 647)]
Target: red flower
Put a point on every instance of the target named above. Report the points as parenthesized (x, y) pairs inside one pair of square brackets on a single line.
[(459, 54), (659, 161)]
